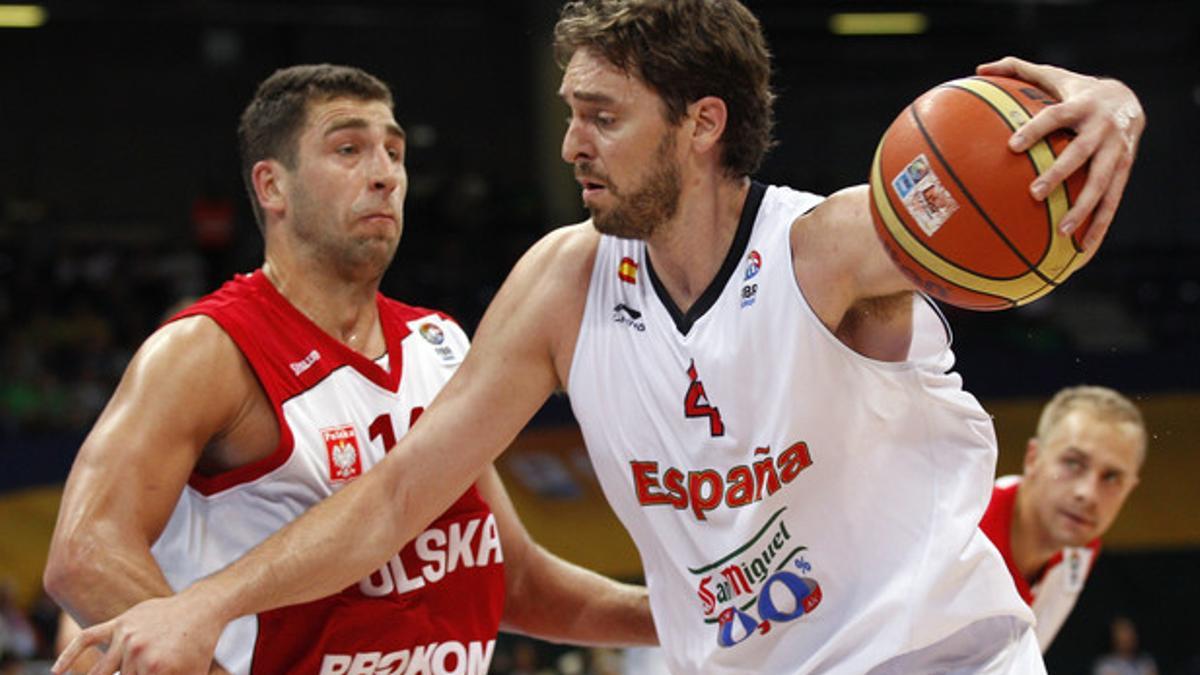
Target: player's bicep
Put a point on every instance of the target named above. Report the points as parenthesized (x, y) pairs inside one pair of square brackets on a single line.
[(511, 369), (173, 398)]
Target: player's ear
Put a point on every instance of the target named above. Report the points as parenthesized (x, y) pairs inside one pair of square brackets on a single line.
[(268, 178), (708, 115), (1031, 450)]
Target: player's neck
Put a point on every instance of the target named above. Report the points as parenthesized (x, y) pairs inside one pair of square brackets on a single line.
[(345, 310), (1032, 548), (687, 251)]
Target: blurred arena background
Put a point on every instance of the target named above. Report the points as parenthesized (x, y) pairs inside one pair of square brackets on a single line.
[(120, 195)]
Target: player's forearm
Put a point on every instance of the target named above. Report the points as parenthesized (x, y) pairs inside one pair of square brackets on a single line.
[(344, 538), (561, 602), (96, 577)]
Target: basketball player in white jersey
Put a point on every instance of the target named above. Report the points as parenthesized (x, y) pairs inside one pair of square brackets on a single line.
[(289, 384), (768, 405), (1047, 523)]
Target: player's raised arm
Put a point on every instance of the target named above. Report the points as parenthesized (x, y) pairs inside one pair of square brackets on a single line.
[(508, 374)]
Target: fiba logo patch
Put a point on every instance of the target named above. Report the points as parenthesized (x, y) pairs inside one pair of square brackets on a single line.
[(750, 290), (753, 265), (432, 334), (345, 460)]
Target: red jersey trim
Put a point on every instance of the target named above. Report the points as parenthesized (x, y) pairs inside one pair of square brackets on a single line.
[(997, 525), (240, 307)]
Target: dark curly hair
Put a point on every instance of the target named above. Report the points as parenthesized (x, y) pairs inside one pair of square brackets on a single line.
[(685, 50)]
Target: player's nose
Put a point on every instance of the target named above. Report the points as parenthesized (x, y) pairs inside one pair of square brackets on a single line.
[(576, 145)]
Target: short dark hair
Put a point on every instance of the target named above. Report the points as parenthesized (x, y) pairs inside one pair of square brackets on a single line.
[(685, 50), (272, 121)]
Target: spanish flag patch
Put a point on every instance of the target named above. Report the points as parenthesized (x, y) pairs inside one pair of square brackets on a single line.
[(627, 271)]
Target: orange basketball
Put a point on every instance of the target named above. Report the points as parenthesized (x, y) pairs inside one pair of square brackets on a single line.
[(951, 202)]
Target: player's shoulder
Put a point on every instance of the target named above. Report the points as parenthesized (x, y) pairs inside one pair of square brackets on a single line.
[(562, 258), (403, 311), (199, 335), (569, 244), (823, 236), (789, 201), (192, 349), (849, 204)]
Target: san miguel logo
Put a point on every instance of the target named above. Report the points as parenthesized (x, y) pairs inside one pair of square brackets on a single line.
[(345, 460), (762, 583)]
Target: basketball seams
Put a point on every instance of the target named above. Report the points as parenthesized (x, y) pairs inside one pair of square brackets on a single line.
[(941, 159)]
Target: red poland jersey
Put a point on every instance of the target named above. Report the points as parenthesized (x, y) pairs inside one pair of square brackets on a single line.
[(435, 606), (1053, 594)]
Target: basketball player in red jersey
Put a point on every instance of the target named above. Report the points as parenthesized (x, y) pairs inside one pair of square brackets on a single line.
[(288, 384), (669, 116), (1079, 469)]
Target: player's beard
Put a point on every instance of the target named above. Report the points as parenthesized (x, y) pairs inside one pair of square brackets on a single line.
[(640, 214)]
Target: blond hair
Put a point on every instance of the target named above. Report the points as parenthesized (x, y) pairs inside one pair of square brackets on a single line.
[(1103, 403)]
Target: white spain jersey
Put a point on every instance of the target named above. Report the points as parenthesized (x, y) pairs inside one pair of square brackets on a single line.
[(435, 606), (799, 508), (1053, 594)]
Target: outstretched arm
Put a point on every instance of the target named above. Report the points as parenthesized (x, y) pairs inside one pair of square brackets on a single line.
[(1108, 122), (552, 599), (508, 374)]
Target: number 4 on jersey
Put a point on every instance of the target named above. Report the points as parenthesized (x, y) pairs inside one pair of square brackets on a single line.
[(695, 403)]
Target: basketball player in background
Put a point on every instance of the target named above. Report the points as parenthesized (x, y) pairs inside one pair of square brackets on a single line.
[(768, 405), (1047, 523), (290, 383)]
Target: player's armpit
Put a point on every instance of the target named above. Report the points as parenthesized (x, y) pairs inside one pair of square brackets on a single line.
[(181, 389)]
